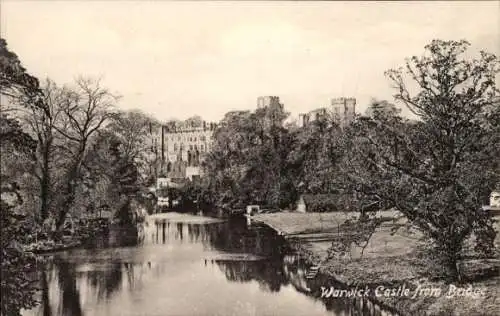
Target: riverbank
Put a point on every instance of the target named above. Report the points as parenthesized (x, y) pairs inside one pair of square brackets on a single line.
[(49, 245), (184, 218), (391, 261)]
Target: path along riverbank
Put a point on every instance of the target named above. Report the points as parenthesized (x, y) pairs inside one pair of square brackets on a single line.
[(389, 263)]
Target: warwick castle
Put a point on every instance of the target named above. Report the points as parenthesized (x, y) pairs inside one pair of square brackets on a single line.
[(178, 148)]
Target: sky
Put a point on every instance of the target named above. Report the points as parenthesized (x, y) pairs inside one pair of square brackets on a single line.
[(179, 59)]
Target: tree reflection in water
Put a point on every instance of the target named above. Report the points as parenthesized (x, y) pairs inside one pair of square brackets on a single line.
[(105, 282), (72, 285), (268, 274), (69, 291), (231, 237), (45, 301)]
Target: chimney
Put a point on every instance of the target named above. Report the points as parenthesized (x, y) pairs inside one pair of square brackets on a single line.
[(162, 143)]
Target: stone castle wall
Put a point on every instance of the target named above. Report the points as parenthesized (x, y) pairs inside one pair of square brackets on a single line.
[(342, 111), (180, 146)]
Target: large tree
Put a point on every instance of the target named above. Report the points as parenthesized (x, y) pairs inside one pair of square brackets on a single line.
[(247, 163), (439, 169), (134, 130), (313, 155), (111, 175), (41, 123), (87, 108)]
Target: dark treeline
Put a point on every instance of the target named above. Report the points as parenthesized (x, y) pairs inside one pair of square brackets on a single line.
[(437, 170), (67, 154)]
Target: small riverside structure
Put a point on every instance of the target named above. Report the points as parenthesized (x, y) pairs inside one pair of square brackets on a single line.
[(252, 209), (318, 203), (494, 206)]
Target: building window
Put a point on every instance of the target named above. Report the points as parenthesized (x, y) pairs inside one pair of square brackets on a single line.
[(202, 147), (195, 139), (202, 138), (175, 146), (190, 147)]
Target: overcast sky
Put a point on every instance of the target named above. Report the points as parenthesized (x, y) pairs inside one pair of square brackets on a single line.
[(174, 59)]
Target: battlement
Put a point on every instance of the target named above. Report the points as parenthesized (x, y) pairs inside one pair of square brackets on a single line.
[(344, 101), (313, 115), (183, 128), (321, 111), (264, 101)]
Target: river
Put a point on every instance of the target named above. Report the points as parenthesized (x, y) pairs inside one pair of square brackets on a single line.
[(184, 265)]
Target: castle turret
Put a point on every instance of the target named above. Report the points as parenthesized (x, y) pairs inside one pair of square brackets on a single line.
[(266, 101), (343, 110)]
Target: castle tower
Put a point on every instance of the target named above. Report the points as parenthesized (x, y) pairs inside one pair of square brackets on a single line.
[(272, 107), (303, 119), (343, 110), (266, 101)]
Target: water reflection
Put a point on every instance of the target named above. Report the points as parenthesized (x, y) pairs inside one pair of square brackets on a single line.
[(268, 274), (231, 236), (296, 269), (177, 268), (45, 307)]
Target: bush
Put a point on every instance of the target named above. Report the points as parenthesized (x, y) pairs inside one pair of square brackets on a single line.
[(16, 286)]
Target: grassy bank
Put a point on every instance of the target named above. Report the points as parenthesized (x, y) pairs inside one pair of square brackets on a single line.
[(389, 260)]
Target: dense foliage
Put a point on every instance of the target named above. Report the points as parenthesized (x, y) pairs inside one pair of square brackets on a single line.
[(437, 170), (112, 176), (66, 153), (16, 286), (15, 82), (247, 163), (16, 146)]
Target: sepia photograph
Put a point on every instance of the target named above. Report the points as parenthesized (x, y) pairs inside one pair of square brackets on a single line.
[(249, 158)]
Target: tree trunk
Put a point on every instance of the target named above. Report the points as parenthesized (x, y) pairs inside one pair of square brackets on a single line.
[(45, 183), (69, 198), (452, 270), (45, 295), (70, 187), (451, 260)]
